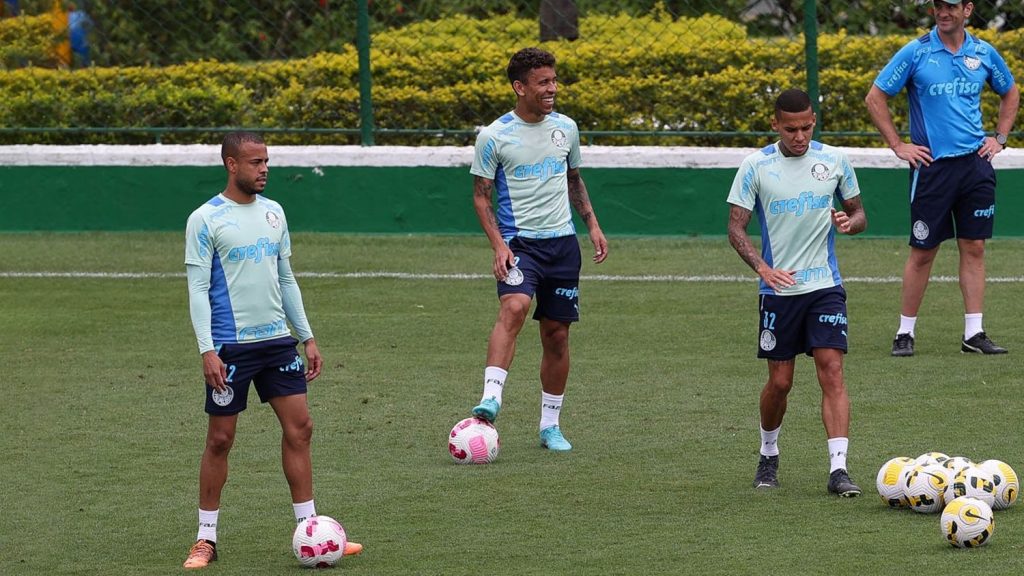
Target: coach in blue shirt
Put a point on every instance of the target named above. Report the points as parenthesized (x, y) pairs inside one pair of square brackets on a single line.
[(952, 182)]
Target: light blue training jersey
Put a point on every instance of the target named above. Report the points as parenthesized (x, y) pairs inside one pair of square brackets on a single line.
[(528, 164), (793, 199), (240, 244), (944, 90)]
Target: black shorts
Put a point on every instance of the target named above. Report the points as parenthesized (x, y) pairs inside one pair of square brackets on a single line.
[(274, 365), (791, 325), (550, 270), (952, 197)]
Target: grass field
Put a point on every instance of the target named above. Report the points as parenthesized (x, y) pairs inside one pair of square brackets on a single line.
[(103, 422)]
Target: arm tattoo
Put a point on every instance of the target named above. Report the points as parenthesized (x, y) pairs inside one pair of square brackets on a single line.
[(482, 187), (738, 220), (578, 196), (482, 192), (855, 210)]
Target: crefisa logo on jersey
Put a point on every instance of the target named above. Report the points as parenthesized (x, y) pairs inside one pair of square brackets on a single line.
[(223, 398), (767, 341), (273, 220), (972, 63), (820, 172), (558, 138), (920, 230)]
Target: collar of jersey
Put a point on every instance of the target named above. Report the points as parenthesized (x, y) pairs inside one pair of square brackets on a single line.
[(968, 49)]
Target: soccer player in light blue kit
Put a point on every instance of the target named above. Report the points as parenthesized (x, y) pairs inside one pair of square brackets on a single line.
[(792, 185), (242, 295), (952, 182), (531, 157)]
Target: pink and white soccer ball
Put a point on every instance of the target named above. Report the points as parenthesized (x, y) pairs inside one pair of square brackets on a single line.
[(474, 441), (319, 542)]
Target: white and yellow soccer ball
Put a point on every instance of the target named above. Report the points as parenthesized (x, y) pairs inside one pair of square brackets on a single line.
[(888, 481), (931, 458), (319, 542), (967, 522), (474, 441), (924, 486), (1006, 481), (974, 482), (955, 463)]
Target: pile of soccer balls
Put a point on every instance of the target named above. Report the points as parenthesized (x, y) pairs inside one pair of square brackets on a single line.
[(964, 491), (474, 441)]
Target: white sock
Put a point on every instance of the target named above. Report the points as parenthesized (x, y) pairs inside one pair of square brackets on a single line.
[(208, 525), (972, 325), (303, 510), (837, 453), (770, 441), (550, 407), (907, 324), (494, 382)]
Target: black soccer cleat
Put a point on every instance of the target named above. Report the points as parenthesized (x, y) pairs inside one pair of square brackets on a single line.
[(903, 345), (839, 483), (767, 475), (980, 344)]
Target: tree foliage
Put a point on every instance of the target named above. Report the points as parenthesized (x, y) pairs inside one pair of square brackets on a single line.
[(161, 32)]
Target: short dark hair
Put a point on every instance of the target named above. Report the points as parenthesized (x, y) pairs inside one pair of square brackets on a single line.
[(233, 142), (528, 59), (792, 100)]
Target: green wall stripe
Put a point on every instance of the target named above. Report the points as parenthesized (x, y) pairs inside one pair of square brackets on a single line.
[(435, 200)]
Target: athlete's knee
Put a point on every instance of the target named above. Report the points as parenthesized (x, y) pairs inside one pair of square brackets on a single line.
[(920, 257), (972, 249), (829, 365), (300, 432), (830, 377), (778, 385), (219, 442), (555, 337), (513, 312)]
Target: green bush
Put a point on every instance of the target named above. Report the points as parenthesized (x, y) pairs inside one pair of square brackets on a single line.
[(640, 74), (28, 40)]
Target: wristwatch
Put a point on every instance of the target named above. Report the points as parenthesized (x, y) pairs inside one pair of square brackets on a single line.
[(1001, 139)]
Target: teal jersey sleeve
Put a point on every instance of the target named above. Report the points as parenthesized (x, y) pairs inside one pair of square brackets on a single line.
[(291, 298)]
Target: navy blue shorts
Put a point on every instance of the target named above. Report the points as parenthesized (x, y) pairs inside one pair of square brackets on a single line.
[(274, 366), (550, 270), (790, 325), (952, 197)]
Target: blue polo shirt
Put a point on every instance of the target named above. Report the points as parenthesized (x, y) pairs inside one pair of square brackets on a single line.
[(944, 90)]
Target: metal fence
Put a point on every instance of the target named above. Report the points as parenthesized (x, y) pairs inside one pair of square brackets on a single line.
[(94, 35)]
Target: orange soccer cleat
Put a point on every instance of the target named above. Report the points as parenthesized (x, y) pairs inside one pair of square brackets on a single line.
[(203, 552)]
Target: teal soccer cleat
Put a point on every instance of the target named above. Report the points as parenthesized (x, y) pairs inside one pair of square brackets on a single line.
[(552, 439), (487, 409)]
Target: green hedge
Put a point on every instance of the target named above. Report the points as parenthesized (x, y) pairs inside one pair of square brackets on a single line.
[(28, 40), (625, 73)]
